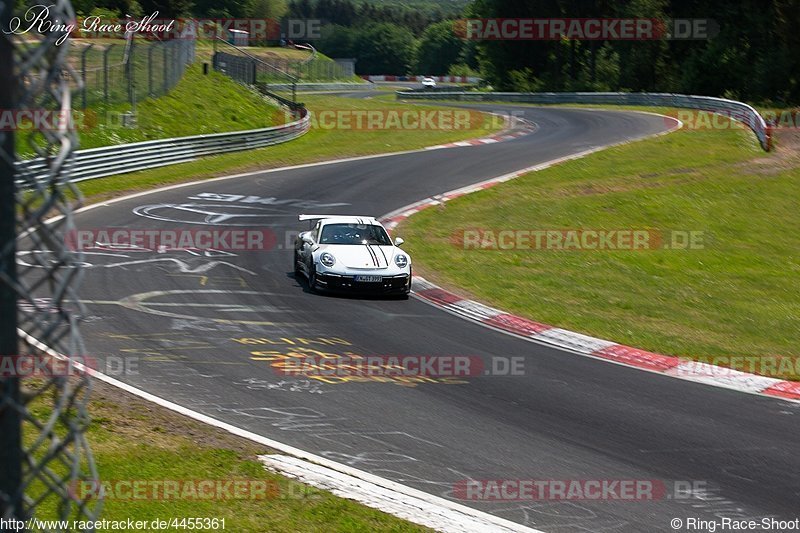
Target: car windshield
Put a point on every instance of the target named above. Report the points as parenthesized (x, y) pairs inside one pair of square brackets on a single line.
[(354, 234)]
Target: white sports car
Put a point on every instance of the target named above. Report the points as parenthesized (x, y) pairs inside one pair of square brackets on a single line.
[(351, 253), (428, 82)]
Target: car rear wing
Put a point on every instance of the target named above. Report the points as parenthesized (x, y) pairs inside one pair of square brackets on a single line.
[(312, 218), (318, 217)]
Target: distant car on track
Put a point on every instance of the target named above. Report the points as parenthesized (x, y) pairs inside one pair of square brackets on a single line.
[(351, 254), (428, 83)]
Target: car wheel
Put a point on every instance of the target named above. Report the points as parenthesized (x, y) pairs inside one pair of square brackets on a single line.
[(312, 279), (405, 294), (297, 271)]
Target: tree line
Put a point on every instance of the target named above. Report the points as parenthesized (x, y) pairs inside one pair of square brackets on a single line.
[(755, 55)]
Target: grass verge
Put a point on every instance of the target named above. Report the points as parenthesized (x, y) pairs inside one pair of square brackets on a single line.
[(135, 442), (319, 144), (735, 296), (198, 104)]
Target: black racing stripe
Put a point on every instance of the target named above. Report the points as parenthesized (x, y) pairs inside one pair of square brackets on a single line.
[(384, 256), (372, 255)]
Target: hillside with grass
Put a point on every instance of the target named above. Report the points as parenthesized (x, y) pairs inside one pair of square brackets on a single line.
[(199, 104)]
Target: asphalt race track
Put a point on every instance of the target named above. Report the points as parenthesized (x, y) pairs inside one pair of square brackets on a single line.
[(202, 330)]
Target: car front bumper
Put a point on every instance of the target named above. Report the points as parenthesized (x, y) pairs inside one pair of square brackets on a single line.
[(392, 284)]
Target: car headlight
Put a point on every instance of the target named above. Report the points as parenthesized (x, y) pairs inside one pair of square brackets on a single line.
[(401, 260), (327, 259)]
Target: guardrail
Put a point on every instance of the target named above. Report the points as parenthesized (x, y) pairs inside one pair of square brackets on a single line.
[(446, 89), (729, 108), (322, 86), (307, 46), (111, 160), (443, 79)]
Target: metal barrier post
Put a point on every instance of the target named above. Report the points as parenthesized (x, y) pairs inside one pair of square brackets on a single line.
[(768, 136), (83, 74), (105, 72), (150, 70), (166, 67), (132, 76)]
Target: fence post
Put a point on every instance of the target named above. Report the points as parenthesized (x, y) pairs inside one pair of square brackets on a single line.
[(10, 418), (172, 67), (83, 74), (105, 72), (768, 136), (166, 68), (150, 70), (132, 75)]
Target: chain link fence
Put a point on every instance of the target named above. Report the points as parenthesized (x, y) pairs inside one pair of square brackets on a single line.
[(129, 71), (43, 414), (319, 70), (316, 69), (276, 74), (250, 70)]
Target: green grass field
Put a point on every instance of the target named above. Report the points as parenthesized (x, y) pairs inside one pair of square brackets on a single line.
[(736, 296), (135, 442)]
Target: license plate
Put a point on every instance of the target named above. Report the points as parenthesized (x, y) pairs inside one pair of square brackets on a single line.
[(370, 279)]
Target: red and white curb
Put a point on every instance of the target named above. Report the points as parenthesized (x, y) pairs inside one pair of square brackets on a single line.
[(603, 349), (523, 128), (576, 342)]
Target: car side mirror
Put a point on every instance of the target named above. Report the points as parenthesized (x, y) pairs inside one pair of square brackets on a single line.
[(398, 241)]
